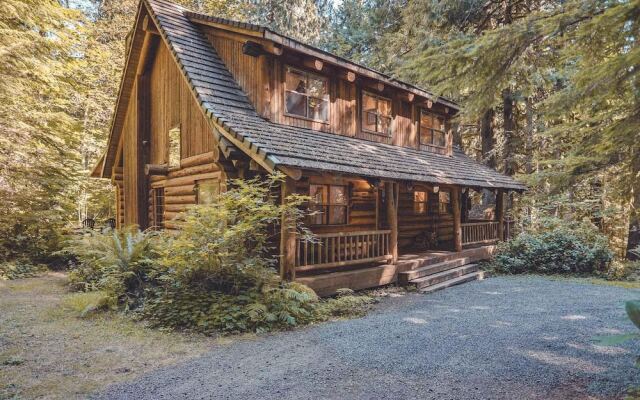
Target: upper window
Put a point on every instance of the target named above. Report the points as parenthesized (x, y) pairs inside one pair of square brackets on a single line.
[(432, 130), (420, 202), (306, 95), (376, 114), (329, 204)]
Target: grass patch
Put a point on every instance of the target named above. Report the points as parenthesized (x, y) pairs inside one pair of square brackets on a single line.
[(46, 350)]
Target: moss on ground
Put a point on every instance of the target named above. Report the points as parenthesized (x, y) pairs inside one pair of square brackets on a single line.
[(47, 350)]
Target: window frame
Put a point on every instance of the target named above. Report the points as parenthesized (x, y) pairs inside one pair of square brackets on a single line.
[(433, 130), (307, 75), (445, 208), (174, 148), (362, 112), (425, 203), (158, 208), (326, 205)]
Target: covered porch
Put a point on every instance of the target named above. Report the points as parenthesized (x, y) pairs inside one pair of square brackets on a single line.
[(362, 223)]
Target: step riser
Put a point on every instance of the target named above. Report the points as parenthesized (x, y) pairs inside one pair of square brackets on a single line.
[(423, 283), (412, 265), (475, 276), (407, 276)]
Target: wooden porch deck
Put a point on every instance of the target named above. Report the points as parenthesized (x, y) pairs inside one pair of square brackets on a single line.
[(326, 284)]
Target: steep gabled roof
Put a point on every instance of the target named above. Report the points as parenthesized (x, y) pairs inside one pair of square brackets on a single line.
[(275, 145)]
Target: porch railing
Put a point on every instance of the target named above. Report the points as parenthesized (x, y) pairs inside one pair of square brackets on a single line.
[(343, 248), (479, 232)]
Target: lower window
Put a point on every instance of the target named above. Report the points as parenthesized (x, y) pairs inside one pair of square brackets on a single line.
[(207, 191), (445, 201), (329, 205), (158, 208)]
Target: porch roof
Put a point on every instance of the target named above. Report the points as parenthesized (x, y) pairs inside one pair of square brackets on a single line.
[(278, 145)]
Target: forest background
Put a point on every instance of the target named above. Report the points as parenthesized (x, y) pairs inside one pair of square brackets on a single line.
[(549, 90)]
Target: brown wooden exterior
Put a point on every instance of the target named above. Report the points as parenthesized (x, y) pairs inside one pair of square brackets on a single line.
[(381, 220)]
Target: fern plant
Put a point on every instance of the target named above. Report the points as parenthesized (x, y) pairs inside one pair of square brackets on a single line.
[(120, 263)]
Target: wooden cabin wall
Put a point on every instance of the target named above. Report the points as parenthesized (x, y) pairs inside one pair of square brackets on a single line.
[(130, 157), (362, 201), (171, 105), (262, 79), (411, 225)]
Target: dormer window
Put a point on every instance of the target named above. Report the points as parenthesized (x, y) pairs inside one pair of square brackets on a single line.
[(432, 130), (306, 95), (376, 114)]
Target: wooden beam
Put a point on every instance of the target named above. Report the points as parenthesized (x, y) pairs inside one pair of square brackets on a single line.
[(392, 190), (347, 75), (156, 169), (500, 213), (287, 235), (313, 64), (143, 152), (457, 225), (293, 173), (149, 26)]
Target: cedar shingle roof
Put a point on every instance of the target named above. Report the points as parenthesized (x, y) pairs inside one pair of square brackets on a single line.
[(225, 102)]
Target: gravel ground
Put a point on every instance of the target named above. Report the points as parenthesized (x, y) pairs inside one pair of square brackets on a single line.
[(502, 338)]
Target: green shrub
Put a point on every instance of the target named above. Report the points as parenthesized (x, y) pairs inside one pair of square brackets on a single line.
[(120, 263), (555, 249), (20, 270), (346, 304), (86, 303)]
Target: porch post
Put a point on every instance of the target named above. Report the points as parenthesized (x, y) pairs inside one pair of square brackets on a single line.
[(287, 236), (392, 193), (457, 227), (500, 213)]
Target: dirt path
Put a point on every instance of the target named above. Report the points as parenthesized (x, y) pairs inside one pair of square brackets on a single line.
[(48, 352), (502, 338)]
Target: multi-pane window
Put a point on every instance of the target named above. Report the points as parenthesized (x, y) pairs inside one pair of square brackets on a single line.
[(432, 129), (376, 114), (158, 208), (445, 202), (306, 95), (329, 204), (207, 191), (420, 202)]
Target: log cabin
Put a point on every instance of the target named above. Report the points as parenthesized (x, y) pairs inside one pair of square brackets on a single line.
[(204, 100)]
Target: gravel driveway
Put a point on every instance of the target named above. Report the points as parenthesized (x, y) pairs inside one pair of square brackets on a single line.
[(502, 338)]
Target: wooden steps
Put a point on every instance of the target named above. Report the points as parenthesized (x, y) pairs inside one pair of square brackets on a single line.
[(446, 275), (427, 271), (475, 276)]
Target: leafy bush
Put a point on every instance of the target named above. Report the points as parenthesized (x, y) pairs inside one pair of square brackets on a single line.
[(555, 248), (20, 269), (346, 304), (86, 303), (120, 263)]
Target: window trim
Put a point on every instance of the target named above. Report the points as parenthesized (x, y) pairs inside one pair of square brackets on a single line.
[(444, 132), (327, 216), (449, 205), (425, 202), (377, 97), (158, 207), (284, 95)]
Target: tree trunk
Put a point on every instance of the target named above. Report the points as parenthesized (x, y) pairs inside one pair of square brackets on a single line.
[(487, 138), (509, 131), (633, 240), (488, 143)]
